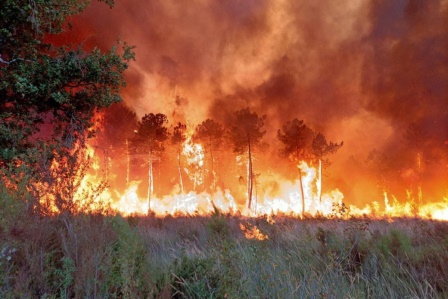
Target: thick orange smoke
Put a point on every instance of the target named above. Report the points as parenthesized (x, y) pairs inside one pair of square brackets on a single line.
[(358, 71)]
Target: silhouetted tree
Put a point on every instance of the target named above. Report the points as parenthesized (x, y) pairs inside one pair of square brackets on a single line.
[(296, 136), (150, 135), (380, 164), (210, 134), (245, 135), (320, 149), (119, 126), (416, 138), (177, 139)]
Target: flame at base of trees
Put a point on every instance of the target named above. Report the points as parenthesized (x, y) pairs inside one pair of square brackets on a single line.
[(93, 195)]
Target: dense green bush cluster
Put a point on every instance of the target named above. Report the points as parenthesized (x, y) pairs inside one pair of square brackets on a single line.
[(94, 256)]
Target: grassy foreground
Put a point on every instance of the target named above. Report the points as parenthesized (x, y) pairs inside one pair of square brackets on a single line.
[(88, 256)]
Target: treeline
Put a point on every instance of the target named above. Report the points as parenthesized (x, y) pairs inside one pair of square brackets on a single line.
[(240, 141), (239, 157)]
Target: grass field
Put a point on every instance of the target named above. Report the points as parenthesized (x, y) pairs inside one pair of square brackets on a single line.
[(88, 256)]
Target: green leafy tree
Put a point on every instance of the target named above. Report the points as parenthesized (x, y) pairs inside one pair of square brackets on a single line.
[(150, 136), (295, 137), (178, 138), (210, 134), (321, 148), (246, 134), (49, 94)]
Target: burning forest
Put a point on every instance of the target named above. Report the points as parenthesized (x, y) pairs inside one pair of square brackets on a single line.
[(154, 167), (253, 127), (370, 75)]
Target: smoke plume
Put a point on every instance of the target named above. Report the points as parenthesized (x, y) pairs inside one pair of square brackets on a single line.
[(358, 71)]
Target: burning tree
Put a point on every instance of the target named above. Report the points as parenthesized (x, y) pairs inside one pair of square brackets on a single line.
[(246, 135), (149, 138), (415, 138), (119, 125), (321, 148), (380, 163), (296, 136), (177, 139), (210, 134), (49, 94)]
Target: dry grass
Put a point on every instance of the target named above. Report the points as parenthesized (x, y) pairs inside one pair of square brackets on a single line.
[(88, 256)]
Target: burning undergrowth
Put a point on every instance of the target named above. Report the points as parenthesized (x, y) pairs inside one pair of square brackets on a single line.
[(196, 176)]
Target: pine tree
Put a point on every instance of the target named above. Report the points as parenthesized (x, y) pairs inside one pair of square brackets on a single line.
[(246, 134)]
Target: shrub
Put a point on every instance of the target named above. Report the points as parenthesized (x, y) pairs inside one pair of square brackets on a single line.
[(196, 278)]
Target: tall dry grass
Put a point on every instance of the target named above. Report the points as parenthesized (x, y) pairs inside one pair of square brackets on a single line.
[(94, 256)]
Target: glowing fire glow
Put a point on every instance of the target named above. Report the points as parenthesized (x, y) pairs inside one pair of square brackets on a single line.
[(252, 232), (288, 201)]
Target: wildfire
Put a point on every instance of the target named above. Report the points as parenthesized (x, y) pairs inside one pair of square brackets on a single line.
[(195, 160), (252, 232), (105, 199)]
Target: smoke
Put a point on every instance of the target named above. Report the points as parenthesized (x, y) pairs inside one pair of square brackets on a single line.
[(358, 71)]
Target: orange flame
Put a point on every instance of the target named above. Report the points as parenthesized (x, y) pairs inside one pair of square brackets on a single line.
[(287, 200), (252, 232)]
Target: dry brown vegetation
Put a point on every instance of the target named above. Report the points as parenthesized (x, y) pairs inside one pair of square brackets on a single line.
[(95, 256)]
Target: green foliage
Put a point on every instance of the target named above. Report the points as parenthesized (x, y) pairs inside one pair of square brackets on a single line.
[(65, 276), (196, 278), (11, 205), (126, 275), (218, 225), (395, 243), (53, 89)]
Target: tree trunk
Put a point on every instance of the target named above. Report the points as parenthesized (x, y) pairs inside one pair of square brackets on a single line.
[(180, 172), (419, 187), (250, 178), (128, 162), (150, 181), (302, 193), (319, 186), (212, 168)]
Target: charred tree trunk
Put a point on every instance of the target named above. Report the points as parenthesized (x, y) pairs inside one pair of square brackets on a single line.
[(128, 162), (250, 177), (319, 186), (212, 162), (180, 171), (419, 171), (150, 181), (302, 193)]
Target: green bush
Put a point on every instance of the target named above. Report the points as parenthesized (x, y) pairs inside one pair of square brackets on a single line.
[(126, 269), (395, 243), (218, 225), (196, 278)]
